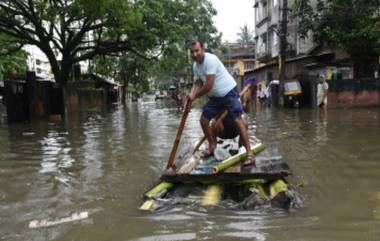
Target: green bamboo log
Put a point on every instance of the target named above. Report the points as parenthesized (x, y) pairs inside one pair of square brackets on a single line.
[(252, 182), (236, 159), (149, 205), (212, 195), (158, 189), (276, 187)]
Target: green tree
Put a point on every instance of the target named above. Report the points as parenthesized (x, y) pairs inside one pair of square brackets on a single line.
[(12, 59), (75, 29), (79, 29), (245, 36), (349, 25), (195, 22), (105, 65)]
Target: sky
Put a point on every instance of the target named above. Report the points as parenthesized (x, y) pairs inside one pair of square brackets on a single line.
[(232, 15)]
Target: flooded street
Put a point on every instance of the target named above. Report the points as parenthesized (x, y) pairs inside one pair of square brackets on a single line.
[(102, 162)]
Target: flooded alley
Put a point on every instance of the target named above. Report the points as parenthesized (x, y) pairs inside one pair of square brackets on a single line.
[(102, 162)]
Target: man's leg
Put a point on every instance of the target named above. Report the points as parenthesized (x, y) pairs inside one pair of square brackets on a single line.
[(246, 127), (233, 104), (205, 123), (210, 110), (245, 140)]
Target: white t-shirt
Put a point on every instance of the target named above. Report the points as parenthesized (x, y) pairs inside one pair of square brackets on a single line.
[(262, 93), (211, 65)]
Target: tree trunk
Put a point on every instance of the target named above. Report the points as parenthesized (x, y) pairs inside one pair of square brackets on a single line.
[(124, 94), (283, 45)]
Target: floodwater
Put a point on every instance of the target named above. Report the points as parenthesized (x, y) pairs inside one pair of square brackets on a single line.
[(102, 162)]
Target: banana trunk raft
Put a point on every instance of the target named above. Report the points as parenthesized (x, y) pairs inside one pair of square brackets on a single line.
[(208, 181)]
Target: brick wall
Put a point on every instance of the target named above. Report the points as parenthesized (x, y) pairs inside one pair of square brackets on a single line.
[(354, 93)]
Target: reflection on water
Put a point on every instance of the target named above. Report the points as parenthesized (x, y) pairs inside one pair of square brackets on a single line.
[(103, 162)]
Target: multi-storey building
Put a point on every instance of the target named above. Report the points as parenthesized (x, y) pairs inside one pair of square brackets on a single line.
[(238, 60), (304, 60), (268, 16), (38, 62)]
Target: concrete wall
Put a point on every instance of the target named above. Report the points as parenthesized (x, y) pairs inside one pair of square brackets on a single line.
[(78, 99), (29, 99), (354, 93)]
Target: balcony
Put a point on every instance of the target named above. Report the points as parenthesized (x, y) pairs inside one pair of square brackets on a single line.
[(265, 17), (263, 55), (262, 12)]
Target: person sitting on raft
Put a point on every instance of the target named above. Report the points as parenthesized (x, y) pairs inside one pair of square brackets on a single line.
[(226, 128)]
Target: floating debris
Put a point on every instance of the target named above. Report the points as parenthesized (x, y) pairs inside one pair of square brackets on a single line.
[(28, 133), (47, 223)]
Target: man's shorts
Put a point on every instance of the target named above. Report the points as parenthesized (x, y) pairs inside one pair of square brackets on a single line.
[(231, 102)]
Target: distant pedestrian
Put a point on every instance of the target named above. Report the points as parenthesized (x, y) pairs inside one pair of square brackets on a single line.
[(322, 88), (175, 94), (269, 95), (261, 94), (249, 98)]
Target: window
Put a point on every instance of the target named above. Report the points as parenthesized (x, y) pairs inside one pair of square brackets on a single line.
[(262, 48), (274, 39), (265, 10), (274, 3), (257, 14), (248, 65)]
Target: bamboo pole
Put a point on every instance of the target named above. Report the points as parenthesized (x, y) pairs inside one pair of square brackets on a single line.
[(158, 189), (179, 134), (276, 187), (212, 195), (149, 205), (236, 158), (221, 118)]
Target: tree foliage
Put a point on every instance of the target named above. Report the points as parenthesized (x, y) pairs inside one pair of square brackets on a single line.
[(12, 59), (192, 20), (70, 31), (196, 22), (351, 25), (245, 36)]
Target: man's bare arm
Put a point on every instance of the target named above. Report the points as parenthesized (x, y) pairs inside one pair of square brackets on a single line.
[(206, 87), (196, 87), (200, 89)]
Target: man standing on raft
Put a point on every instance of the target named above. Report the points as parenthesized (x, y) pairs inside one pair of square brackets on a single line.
[(212, 78)]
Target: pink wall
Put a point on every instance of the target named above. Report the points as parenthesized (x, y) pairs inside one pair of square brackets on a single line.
[(351, 99)]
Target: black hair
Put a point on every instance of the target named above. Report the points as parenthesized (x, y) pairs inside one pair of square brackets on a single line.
[(195, 41)]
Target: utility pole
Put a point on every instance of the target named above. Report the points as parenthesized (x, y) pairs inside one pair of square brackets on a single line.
[(283, 32)]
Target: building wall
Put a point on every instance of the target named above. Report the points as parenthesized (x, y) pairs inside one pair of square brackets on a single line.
[(267, 41), (38, 62), (354, 93), (238, 60)]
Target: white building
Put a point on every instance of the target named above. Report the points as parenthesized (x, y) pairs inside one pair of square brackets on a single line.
[(268, 15), (38, 62)]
